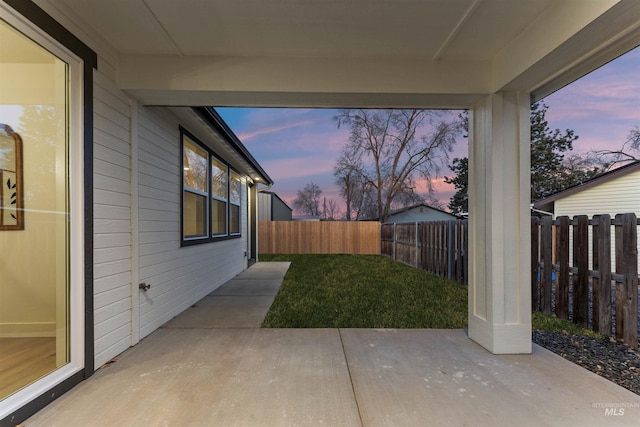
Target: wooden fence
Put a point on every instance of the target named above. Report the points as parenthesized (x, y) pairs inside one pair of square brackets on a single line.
[(597, 298), (439, 247), (319, 237), (603, 297)]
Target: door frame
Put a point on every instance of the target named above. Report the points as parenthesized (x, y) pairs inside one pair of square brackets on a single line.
[(32, 17)]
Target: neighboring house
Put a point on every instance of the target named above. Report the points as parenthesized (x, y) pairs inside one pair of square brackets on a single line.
[(272, 208), (419, 213), (613, 192)]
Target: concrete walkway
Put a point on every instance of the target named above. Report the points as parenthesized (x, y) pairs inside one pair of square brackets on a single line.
[(208, 368)]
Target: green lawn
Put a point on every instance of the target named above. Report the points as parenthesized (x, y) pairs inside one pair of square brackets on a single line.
[(363, 291), (369, 291)]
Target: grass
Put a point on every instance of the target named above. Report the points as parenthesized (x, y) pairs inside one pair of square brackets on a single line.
[(369, 291), (543, 322), (363, 291)]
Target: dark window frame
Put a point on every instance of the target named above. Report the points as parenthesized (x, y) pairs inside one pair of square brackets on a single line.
[(227, 235), (232, 204), (195, 191)]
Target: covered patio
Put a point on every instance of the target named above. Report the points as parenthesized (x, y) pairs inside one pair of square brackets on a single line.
[(206, 368), (489, 56), (135, 62)]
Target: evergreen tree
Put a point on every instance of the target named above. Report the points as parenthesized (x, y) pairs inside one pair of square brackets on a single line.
[(459, 202), (553, 165)]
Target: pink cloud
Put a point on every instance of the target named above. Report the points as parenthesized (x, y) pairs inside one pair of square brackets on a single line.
[(273, 129), (297, 167)]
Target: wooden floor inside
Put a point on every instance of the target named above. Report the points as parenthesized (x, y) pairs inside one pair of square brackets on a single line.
[(24, 360)]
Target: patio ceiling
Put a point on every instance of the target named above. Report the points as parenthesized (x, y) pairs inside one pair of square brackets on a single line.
[(428, 53)]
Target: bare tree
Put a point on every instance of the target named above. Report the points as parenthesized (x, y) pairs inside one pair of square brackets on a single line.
[(388, 150), (330, 211), (307, 201), (351, 181), (629, 152)]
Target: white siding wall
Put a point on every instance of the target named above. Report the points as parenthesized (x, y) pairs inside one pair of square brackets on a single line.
[(621, 195), (178, 276), (617, 196), (112, 195), (112, 226)]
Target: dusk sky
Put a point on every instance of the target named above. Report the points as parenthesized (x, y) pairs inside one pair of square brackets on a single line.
[(299, 146)]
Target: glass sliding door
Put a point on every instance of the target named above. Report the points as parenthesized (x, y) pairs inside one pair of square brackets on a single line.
[(34, 212)]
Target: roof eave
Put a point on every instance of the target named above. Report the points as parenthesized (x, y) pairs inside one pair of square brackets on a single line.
[(600, 179), (213, 119)]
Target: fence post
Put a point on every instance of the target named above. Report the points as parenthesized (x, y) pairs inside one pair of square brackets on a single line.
[(458, 250), (443, 248), (602, 283), (450, 250), (562, 254), (465, 248), (627, 290), (416, 246), (581, 261), (546, 278), (535, 263), (394, 241)]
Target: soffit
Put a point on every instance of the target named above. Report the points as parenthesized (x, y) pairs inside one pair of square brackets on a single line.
[(449, 29), (329, 53)]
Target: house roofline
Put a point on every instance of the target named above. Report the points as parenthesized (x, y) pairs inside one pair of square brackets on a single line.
[(597, 180), (213, 119), (397, 211), (406, 208), (278, 197)]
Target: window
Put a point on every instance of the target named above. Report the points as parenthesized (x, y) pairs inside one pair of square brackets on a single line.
[(234, 200), (211, 195), (219, 182), (195, 162)]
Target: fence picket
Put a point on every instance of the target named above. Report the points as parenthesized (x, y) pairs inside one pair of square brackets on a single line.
[(461, 275), (602, 285), (562, 258), (466, 252), (627, 297), (619, 259), (535, 268), (581, 279), (546, 281)]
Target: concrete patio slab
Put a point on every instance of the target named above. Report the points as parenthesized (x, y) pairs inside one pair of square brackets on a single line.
[(240, 303), (251, 287), (212, 365), (441, 377), (224, 377), (224, 312), (265, 270)]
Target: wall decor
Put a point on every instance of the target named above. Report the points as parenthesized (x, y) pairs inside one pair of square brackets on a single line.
[(11, 191)]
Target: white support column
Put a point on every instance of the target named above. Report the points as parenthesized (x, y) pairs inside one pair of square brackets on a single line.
[(499, 223)]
